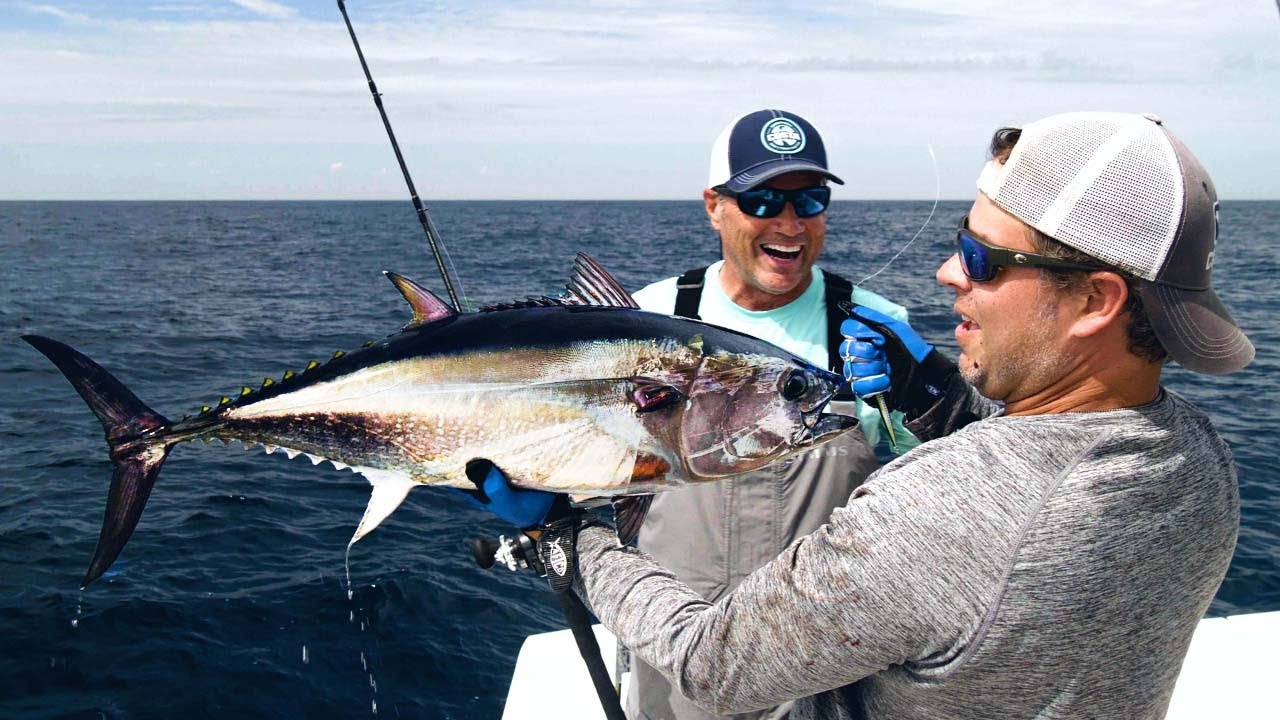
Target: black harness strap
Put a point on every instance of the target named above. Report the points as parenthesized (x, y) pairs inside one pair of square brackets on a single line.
[(689, 295), (838, 290)]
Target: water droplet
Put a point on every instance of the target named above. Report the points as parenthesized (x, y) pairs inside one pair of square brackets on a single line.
[(305, 657), (346, 563), (375, 706)]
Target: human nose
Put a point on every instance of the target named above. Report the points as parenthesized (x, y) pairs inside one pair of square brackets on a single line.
[(951, 274), (788, 222)]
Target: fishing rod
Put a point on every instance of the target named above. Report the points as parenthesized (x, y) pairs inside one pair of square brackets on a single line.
[(433, 238), (575, 612)]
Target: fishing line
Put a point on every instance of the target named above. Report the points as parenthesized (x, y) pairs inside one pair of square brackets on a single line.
[(937, 194)]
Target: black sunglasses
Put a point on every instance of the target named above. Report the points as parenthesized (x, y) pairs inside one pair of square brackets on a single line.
[(981, 260), (768, 202)]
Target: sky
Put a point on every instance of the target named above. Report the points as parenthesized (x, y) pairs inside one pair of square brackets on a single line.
[(613, 99)]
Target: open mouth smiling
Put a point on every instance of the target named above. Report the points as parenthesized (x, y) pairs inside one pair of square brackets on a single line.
[(782, 252)]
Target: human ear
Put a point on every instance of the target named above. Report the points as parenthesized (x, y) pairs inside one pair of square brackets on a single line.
[(711, 199), (1105, 296)]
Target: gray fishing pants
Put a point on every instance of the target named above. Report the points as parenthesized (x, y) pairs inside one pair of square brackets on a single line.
[(713, 535)]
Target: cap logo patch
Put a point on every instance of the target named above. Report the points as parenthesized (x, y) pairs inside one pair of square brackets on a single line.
[(1217, 208), (783, 136)]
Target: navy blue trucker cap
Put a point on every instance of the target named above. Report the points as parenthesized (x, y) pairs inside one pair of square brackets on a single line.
[(763, 145)]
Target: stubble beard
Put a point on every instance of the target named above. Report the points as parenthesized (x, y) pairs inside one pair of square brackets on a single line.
[(1024, 365)]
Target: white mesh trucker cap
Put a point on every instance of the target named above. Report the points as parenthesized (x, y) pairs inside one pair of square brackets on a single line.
[(765, 144), (1126, 191)]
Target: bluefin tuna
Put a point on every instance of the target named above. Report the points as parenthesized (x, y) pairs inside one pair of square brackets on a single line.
[(582, 394)]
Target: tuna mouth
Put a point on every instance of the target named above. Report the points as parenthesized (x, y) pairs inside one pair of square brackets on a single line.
[(820, 427)]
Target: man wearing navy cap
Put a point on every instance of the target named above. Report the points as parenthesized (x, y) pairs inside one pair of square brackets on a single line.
[(767, 198)]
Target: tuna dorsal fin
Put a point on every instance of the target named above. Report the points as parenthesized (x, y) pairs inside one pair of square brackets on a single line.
[(628, 514), (389, 490), (593, 285), (427, 308)]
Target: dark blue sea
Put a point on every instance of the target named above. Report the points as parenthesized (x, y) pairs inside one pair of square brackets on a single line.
[(230, 601)]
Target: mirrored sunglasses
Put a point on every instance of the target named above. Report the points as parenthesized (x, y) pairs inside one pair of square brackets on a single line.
[(768, 202), (981, 260)]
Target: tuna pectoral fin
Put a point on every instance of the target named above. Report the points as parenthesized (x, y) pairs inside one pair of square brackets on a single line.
[(135, 435), (389, 490), (629, 513)]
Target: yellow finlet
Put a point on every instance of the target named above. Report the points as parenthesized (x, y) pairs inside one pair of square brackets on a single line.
[(205, 408), (225, 400), (312, 365), (245, 390), (288, 375), (696, 344), (268, 382), (337, 354)]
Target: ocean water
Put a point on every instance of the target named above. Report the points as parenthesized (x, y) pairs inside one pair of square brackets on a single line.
[(230, 600)]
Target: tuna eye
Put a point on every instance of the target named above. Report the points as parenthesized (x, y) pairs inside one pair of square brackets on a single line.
[(795, 386)]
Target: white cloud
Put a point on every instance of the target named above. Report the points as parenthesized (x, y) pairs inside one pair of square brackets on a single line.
[(335, 167), (266, 8), (571, 95), (56, 12)]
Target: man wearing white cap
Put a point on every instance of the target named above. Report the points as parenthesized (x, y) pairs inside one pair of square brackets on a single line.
[(766, 198), (1050, 551)]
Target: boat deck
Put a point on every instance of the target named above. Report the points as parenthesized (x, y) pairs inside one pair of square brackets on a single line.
[(1229, 672)]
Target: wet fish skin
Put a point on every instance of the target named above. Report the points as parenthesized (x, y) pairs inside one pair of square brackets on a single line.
[(585, 399)]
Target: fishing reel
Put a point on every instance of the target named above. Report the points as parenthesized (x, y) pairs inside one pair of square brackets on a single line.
[(515, 553)]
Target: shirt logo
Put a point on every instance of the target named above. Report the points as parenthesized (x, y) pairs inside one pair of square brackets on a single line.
[(783, 136)]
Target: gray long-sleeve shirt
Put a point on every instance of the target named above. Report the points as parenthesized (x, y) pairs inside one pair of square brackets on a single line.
[(1048, 566)]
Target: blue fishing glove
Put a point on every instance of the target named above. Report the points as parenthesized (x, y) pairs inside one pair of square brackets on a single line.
[(493, 493), (554, 553), (884, 356)]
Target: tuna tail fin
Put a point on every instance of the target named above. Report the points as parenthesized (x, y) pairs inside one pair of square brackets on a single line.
[(136, 441)]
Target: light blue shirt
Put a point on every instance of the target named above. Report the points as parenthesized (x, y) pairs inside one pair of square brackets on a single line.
[(799, 327)]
